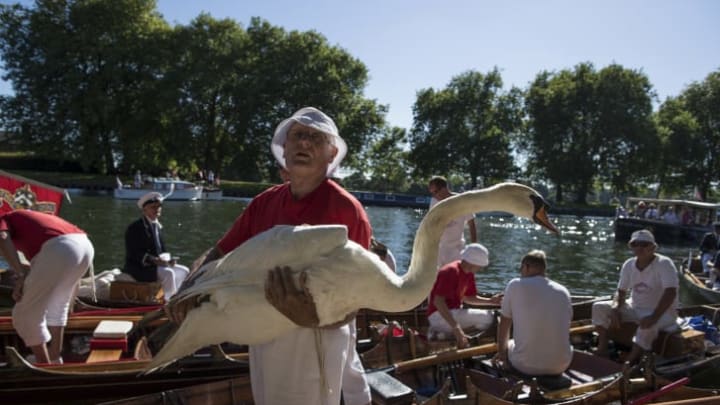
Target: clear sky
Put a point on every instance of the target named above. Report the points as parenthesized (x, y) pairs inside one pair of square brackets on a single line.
[(409, 45)]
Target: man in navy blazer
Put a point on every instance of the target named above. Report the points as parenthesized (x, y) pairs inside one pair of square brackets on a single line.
[(146, 259)]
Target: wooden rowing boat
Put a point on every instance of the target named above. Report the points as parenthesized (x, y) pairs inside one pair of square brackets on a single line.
[(22, 382), (367, 320), (694, 283), (589, 380), (468, 376), (393, 341), (80, 328), (677, 354), (233, 391)]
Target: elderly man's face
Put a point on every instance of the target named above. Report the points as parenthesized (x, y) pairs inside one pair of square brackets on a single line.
[(153, 210), (308, 149), (643, 250)]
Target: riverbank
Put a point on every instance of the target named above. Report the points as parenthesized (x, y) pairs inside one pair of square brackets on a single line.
[(242, 189)]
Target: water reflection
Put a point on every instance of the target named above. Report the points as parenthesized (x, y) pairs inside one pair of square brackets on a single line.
[(584, 257)]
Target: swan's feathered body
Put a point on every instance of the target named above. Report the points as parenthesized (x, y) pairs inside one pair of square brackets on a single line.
[(342, 277)]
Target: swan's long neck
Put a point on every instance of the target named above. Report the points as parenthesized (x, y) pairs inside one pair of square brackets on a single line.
[(420, 277)]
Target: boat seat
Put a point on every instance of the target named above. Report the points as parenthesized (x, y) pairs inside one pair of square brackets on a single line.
[(545, 382), (387, 389), (137, 292), (667, 344), (109, 341)]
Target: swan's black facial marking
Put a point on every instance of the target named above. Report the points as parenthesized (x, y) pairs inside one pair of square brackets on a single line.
[(540, 209), (538, 203)]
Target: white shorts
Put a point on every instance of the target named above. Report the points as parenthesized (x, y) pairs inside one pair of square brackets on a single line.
[(644, 337), (480, 319), (49, 288)]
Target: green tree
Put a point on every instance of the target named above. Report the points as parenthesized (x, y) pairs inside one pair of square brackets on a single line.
[(585, 126), (78, 69), (110, 84), (206, 91), (386, 161), (466, 129), (690, 125), (290, 70)]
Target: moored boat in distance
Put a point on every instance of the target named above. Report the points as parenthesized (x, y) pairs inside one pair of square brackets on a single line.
[(175, 189), (693, 220), (391, 199), (212, 194)]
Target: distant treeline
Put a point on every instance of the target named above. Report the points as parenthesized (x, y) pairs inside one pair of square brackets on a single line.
[(113, 87)]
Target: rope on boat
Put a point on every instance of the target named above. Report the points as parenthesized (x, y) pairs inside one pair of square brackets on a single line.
[(321, 362)]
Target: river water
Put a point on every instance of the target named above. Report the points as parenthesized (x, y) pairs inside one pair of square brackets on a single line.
[(585, 257)]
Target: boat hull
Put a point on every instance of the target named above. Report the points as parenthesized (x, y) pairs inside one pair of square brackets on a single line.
[(22, 383), (665, 233), (191, 194), (233, 391), (696, 287), (212, 195)]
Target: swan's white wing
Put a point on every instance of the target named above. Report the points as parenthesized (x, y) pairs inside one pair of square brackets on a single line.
[(282, 245), (342, 276), (233, 314)]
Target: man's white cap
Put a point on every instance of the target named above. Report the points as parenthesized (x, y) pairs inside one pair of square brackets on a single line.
[(148, 198), (476, 254), (642, 235), (313, 118)]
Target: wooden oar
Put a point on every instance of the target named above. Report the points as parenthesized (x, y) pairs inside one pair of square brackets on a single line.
[(444, 357), (19, 364), (663, 390), (710, 400), (458, 354)]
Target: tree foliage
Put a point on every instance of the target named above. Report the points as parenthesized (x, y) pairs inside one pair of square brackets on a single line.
[(384, 163), (585, 125), (77, 68), (690, 128), (109, 83), (466, 129)]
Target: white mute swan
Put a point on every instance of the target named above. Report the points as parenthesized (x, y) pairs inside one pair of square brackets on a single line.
[(341, 275)]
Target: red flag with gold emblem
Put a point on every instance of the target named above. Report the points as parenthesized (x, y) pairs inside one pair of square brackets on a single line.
[(17, 192)]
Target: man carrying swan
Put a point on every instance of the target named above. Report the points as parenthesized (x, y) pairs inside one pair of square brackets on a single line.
[(307, 365)]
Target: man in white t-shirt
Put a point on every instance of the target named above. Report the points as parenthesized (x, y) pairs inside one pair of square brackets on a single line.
[(452, 241), (653, 280), (539, 311)]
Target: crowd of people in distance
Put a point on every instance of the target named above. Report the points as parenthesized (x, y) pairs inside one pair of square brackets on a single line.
[(206, 178), (710, 257), (671, 214)]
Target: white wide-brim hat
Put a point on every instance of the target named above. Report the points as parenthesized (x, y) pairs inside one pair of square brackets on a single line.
[(476, 254), (313, 118), (148, 198), (642, 235)]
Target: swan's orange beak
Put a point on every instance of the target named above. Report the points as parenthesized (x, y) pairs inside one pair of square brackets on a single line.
[(541, 218)]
